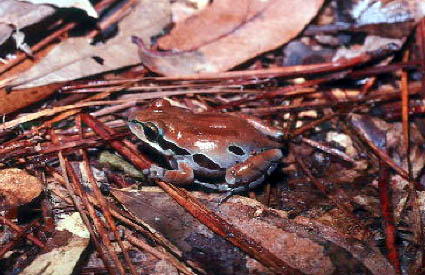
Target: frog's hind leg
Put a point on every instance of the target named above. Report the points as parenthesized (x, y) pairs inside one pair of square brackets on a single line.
[(249, 172), (182, 176), (246, 175)]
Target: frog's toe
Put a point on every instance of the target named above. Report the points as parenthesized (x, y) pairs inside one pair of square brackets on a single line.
[(207, 185), (237, 187), (271, 168), (257, 182), (225, 197), (156, 172)]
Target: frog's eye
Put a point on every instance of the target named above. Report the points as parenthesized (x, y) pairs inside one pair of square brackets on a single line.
[(151, 131)]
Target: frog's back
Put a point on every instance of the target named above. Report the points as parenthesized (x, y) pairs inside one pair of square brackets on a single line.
[(209, 142), (220, 130)]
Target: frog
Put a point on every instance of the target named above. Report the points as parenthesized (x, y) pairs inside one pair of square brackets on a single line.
[(224, 152)]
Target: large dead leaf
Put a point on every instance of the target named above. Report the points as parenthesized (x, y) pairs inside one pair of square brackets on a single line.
[(75, 58), (303, 243), (227, 33), (64, 250), (84, 5), (17, 187), (10, 102), (17, 15)]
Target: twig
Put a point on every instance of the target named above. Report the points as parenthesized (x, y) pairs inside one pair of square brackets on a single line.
[(18, 229), (84, 217), (106, 212), (158, 254), (226, 230), (387, 215)]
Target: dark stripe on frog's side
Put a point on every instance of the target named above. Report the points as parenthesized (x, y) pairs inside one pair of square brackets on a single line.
[(159, 139), (205, 162), (166, 145)]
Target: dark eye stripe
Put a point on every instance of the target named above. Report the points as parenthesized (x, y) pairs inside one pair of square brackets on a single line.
[(151, 131), (155, 136)]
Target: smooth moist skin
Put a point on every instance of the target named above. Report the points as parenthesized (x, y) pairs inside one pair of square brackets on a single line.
[(224, 152)]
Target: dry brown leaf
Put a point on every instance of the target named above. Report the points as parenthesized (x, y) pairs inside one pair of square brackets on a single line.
[(371, 43), (387, 137), (10, 102), (17, 187), (163, 214), (75, 57), (84, 5), (220, 19), (305, 244), (17, 15), (5, 32), (64, 250), (15, 100), (181, 10), (227, 33)]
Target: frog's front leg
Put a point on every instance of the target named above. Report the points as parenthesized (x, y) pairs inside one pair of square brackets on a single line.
[(182, 176), (252, 171)]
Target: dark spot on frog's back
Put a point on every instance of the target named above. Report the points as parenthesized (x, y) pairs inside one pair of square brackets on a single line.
[(205, 162), (236, 150)]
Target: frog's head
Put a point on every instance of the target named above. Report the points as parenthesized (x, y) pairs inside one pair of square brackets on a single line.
[(156, 126)]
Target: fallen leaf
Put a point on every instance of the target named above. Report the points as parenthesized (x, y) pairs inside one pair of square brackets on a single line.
[(75, 57), (387, 137), (84, 5), (17, 187), (371, 44), (5, 32), (17, 15), (304, 244), (10, 102), (212, 252), (227, 33), (220, 19), (182, 10), (66, 248)]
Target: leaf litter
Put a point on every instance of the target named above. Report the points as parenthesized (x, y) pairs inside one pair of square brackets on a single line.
[(329, 74)]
